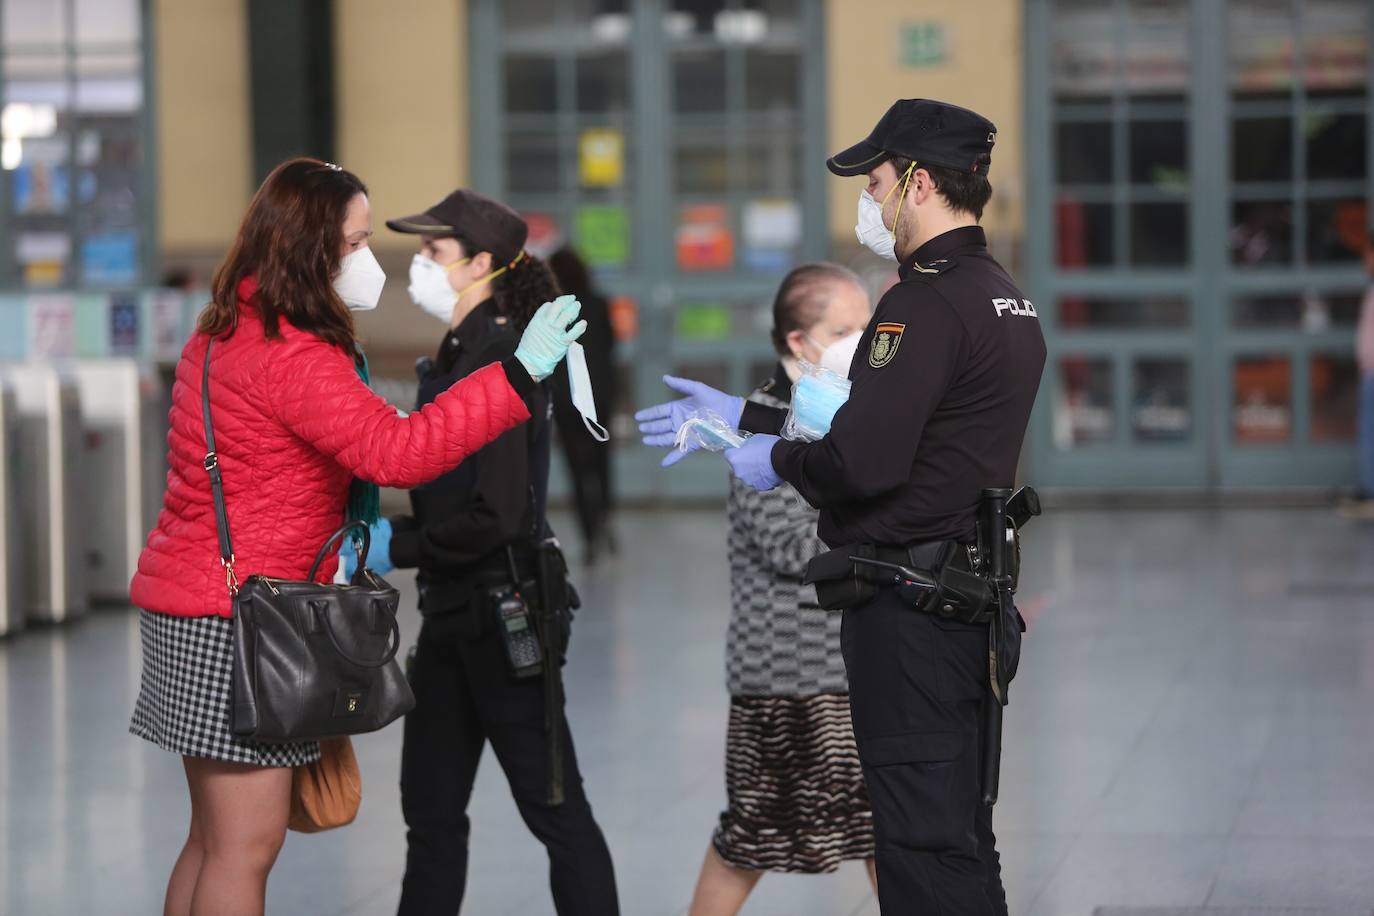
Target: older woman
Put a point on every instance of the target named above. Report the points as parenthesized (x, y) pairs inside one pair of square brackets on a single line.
[(796, 800)]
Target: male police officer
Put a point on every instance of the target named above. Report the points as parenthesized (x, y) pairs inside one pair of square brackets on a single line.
[(942, 387)]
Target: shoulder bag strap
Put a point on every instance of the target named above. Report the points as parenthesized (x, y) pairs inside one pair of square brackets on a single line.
[(226, 546)]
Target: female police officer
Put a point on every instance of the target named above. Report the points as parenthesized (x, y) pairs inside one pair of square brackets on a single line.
[(473, 536), (943, 383)]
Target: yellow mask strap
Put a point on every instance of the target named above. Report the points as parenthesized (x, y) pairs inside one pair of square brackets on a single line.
[(906, 180), (489, 277)]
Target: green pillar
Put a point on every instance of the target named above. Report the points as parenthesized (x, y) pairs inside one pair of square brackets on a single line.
[(291, 58)]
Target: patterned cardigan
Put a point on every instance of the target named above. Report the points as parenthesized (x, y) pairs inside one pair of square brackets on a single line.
[(779, 643)]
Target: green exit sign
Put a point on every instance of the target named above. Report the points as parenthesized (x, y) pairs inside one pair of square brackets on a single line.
[(924, 44)]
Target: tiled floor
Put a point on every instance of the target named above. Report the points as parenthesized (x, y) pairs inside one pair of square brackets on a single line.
[(1191, 732)]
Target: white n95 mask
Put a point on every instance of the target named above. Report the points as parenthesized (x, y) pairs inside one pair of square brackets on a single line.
[(873, 234), (429, 287), (580, 387), (840, 355), (360, 280)]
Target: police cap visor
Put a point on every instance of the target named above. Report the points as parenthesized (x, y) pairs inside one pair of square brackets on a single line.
[(926, 131)]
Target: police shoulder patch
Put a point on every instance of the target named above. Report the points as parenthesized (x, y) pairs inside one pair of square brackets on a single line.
[(886, 338)]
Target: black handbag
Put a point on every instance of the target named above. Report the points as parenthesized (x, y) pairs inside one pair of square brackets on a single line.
[(310, 661)]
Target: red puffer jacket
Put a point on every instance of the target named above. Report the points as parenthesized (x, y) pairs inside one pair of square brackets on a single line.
[(293, 425)]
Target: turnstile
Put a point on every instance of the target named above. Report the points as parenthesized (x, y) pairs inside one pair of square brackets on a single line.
[(124, 419), (13, 595), (51, 492)]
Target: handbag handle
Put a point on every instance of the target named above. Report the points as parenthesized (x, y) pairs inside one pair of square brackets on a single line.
[(336, 536), (392, 649)]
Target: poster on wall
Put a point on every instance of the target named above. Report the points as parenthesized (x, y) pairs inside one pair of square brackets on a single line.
[(124, 325), (43, 257), (165, 311), (544, 237), (42, 181), (602, 235), (703, 321), (51, 326), (110, 258), (704, 240), (601, 157), (772, 231)]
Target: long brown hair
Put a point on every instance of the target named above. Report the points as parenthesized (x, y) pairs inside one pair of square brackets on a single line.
[(290, 242)]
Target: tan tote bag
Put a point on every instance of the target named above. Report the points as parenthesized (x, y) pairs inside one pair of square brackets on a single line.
[(327, 793)]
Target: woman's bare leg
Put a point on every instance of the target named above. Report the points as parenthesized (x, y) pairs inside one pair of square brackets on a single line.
[(242, 812), (182, 885), (721, 888)]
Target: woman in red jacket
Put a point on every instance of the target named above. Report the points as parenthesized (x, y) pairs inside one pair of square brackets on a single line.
[(295, 426)]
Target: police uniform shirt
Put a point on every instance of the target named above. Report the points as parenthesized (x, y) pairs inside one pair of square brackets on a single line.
[(464, 519), (943, 383)]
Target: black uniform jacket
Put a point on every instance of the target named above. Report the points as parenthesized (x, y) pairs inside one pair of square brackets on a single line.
[(464, 520), (943, 384)]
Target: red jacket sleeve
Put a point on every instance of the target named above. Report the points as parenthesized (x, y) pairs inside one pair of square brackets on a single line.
[(315, 392)]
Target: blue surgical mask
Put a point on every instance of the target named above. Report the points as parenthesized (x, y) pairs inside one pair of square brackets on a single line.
[(816, 398)]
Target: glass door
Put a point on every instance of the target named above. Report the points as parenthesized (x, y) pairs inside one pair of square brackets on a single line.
[(679, 146), (1110, 248), (1199, 181), (1299, 185)]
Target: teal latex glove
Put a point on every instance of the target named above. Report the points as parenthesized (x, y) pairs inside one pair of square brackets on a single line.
[(546, 339)]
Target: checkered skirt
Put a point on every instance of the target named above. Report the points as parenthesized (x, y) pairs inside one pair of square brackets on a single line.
[(183, 700)]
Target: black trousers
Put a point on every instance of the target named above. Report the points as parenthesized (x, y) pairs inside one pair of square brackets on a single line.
[(465, 697), (916, 688)]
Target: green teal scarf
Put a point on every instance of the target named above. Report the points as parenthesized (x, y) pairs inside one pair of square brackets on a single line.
[(364, 498)]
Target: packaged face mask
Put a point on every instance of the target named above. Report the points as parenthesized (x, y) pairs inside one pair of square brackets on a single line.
[(708, 430), (816, 398)]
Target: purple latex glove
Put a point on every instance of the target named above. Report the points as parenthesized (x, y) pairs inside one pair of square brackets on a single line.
[(660, 423), (752, 462)]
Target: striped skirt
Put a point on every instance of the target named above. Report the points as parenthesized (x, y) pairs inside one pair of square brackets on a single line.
[(794, 785)]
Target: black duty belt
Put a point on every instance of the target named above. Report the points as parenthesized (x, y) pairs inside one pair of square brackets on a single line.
[(938, 577)]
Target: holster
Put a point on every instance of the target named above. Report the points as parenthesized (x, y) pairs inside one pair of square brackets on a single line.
[(961, 595)]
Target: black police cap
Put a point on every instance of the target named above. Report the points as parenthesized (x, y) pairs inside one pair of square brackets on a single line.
[(927, 132), (487, 224)]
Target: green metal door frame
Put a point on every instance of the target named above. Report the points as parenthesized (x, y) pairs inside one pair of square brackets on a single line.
[(1209, 281)]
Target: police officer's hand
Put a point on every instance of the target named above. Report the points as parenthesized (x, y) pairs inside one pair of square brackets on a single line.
[(660, 423), (752, 462), (547, 337), (378, 553)]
